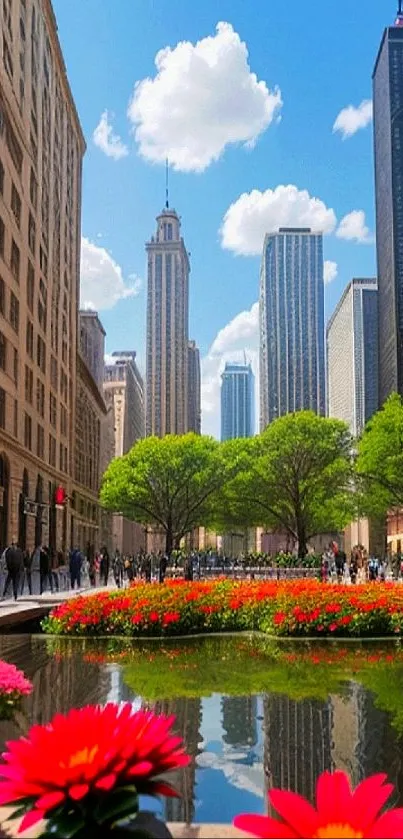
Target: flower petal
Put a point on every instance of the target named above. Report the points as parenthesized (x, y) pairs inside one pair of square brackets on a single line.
[(78, 791), (106, 782), (333, 798), (140, 769), (50, 800), (390, 824), (296, 811), (31, 818), (265, 827), (368, 800)]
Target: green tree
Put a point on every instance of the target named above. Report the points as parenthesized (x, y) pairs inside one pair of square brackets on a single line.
[(170, 482), (296, 476), (380, 459)]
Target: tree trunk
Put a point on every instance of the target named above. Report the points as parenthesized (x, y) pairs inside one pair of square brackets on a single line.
[(169, 542), (302, 545)]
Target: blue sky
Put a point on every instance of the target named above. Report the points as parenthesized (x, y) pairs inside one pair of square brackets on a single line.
[(319, 57)]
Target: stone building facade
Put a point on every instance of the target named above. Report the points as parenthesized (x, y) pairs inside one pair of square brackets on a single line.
[(41, 150)]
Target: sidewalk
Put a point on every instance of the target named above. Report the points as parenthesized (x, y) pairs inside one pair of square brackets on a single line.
[(33, 606)]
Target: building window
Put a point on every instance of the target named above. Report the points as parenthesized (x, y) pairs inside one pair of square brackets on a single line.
[(2, 296), (14, 312), (1, 178), (40, 441), (15, 366), (41, 314), (30, 286), (29, 385), (33, 190), (27, 431), (63, 420), (3, 351), (40, 397), (7, 60), (53, 372), (53, 410), (16, 418), (15, 261), (16, 205), (41, 354), (2, 408), (30, 339), (52, 450), (32, 233), (43, 261), (2, 237)]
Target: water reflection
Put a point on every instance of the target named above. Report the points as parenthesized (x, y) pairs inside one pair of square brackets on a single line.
[(241, 746)]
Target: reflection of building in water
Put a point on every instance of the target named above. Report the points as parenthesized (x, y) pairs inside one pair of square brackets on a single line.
[(60, 683), (346, 731), (297, 743), (379, 746), (239, 720), (187, 725)]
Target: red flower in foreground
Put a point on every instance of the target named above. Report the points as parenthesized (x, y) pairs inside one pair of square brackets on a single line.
[(91, 750), (340, 812)]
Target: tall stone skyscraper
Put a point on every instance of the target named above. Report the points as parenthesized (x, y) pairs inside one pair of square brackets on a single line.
[(388, 139), (352, 355), (237, 401), (194, 396), (167, 328), (292, 327)]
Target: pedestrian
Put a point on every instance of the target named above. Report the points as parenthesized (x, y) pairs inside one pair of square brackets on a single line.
[(118, 569), (146, 568), (104, 566), (162, 567), (188, 569), (353, 569), (27, 570), (340, 561), (45, 574), (76, 561), (15, 566)]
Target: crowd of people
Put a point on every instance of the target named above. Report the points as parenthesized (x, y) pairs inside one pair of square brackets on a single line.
[(359, 568)]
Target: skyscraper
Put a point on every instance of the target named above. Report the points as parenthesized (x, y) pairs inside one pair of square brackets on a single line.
[(41, 150), (124, 393), (292, 331), (167, 328), (352, 355), (388, 140), (237, 401), (194, 408)]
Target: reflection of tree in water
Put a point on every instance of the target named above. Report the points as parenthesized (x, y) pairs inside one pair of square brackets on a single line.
[(239, 720), (379, 748), (59, 683), (188, 721)]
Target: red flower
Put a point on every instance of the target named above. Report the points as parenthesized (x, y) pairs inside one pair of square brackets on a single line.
[(90, 751), (171, 617), (154, 617), (340, 812), (137, 618), (279, 618)]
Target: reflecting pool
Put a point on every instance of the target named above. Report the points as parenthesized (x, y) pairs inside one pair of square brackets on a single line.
[(253, 715)]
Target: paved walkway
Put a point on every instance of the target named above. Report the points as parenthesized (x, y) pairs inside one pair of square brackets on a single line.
[(31, 607)]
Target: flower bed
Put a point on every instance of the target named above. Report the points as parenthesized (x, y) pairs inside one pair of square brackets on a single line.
[(295, 608), (13, 686)]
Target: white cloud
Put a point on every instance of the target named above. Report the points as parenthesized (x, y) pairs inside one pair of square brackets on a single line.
[(352, 119), (106, 140), (353, 228), (203, 97), (330, 271), (239, 336), (256, 213), (101, 279)]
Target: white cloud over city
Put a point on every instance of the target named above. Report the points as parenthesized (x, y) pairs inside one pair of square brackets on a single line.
[(105, 138), (256, 213), (238, 338), (102, 283), (353, 119), (330, 271), (353, 228), (203, 97)]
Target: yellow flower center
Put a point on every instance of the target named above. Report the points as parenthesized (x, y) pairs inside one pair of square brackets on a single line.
[(337, 831), (83, 757)]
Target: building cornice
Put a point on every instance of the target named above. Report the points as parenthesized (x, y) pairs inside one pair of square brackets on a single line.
[(84, 373)]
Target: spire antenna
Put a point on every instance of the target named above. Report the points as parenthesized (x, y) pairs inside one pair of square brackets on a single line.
[(400, 9), (167, 175)]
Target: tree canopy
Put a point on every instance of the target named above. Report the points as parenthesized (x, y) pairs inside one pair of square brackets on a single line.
[(171, 483), (296, 476), (380, 459)]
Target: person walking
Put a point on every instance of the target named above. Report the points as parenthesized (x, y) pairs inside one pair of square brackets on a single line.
[(162, 568), (104, 566), (15, 566), (45, 574), (27, 570), (118, 569), (75, 563)]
